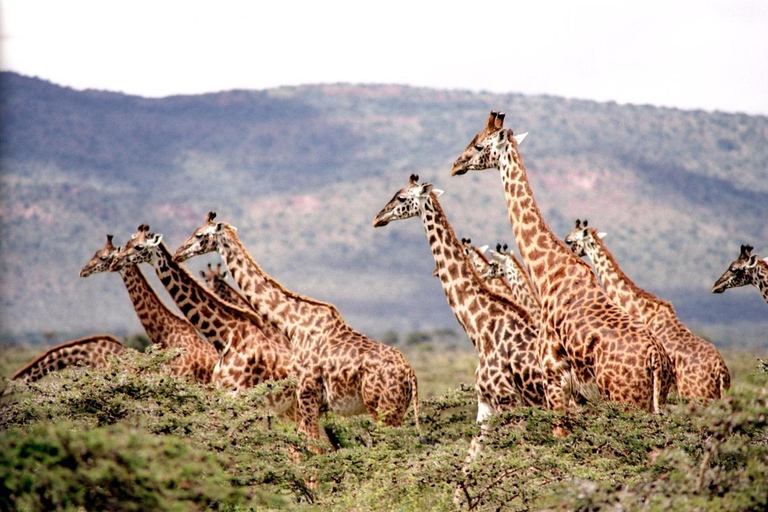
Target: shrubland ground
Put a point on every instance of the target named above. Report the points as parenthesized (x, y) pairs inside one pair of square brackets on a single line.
[(132, 437)]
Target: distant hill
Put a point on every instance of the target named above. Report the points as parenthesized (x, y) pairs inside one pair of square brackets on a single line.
[(302, 171)]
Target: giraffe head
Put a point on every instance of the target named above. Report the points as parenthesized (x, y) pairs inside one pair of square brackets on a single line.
[(408, 202), (101, 260), (740, 272), (139, 249), (484, 150), (582, 238), (497, 265), (213, 275), (205, 239)]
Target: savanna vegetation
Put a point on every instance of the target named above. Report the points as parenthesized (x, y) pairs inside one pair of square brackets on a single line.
[(132, 437)]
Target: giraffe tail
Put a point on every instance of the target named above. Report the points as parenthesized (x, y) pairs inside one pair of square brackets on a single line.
[(725, 379), (657, 369), (415, 397)]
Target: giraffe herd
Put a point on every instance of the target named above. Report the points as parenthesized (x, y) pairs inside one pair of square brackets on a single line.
[(548, 331)]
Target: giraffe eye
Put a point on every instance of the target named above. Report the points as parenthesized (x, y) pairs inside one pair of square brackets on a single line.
[(198, 235), (103, 258), (139, 247), (478, 147), (401, 199)]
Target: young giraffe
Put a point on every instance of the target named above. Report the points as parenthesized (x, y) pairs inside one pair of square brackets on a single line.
[(508, 373), (246, 356), (162, 326), (93, 351), (582, 332), (330, 360), (747, 269), (482, 266), (505, 265), (216, 281), (699, 369)]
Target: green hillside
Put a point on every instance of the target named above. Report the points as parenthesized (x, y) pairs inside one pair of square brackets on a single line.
[(301, 171)]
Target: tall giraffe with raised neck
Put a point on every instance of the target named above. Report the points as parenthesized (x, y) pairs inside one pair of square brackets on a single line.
[(330, 359), (92, 351), (217, 282), (699, 369), (508, 373), (246, 356), (582, 332), (505, 264), (747, 269), (163, 327)]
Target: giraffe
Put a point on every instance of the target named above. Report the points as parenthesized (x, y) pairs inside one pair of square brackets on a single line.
[(330, 360), (508, 373), (699, 369), (216, 281), (505, 264), (583, 335), (163, 327), (482, 266), (747, 269), (246, 356), (93, 351)]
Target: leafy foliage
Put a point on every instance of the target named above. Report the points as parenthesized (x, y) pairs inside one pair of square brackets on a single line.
[(135, 437)]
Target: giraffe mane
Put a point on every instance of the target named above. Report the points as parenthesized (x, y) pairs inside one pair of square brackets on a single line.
[(67, 344)]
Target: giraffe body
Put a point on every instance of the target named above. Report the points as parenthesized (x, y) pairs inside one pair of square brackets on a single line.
[(330, 360), (508, 373), (747, 269), (163, 327), (246, 356), (699, 369), (582, 333), (93, 351)]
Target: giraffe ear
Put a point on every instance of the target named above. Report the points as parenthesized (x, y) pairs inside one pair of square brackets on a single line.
[(219, 226), (520, 138), (437, 192), (155, 240), (752, 261), (602, 235), (483, 248)]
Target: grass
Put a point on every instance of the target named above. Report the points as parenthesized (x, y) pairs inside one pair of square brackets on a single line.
[(132, 437)]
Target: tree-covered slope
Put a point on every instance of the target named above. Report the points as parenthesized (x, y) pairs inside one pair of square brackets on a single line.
[(301, 171)]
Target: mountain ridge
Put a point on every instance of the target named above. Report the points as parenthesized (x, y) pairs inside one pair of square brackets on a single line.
[(301, 170)]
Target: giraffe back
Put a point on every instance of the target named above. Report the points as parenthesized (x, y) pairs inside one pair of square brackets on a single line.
[(92, 351)]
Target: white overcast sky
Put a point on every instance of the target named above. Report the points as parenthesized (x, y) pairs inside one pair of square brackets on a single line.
[(691, 54)]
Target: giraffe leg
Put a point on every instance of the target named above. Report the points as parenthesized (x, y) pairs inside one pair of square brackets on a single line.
[(308, 397)]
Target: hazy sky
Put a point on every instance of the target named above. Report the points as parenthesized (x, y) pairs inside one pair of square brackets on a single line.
[(689, 54)]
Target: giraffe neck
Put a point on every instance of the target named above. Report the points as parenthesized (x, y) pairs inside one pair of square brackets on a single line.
[(157, 320), (290, 312), (209, 315), (545, 255), (620, 288), (228, 294), (760, 278), (522, 288), (461, 284)]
